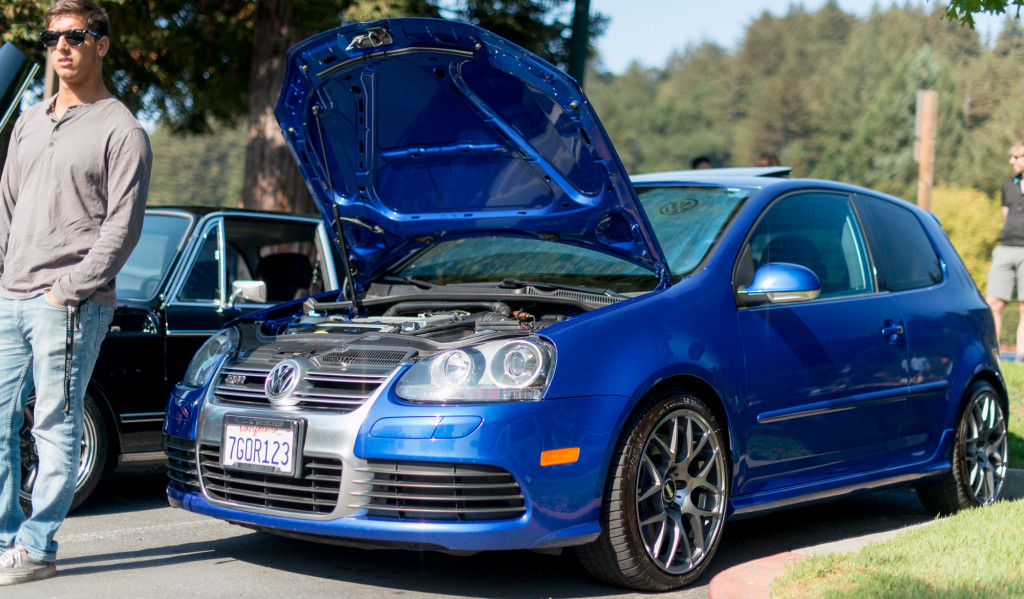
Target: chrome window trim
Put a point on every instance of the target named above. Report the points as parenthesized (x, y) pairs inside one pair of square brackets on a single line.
[(188, 257)]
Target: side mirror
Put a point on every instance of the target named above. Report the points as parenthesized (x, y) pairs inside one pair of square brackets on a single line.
[(253, 291), (781, 283)]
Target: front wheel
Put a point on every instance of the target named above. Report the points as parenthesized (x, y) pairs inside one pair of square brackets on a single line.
[(979, 456), (90, 465), (665, 500)]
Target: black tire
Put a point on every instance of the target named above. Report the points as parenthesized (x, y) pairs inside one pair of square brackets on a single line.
[(91, 465), (658, 488), (979, 456)]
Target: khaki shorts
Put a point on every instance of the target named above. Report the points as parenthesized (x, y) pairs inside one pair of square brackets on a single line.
[(1007, 271)]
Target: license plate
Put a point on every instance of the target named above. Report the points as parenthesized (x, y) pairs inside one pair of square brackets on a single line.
[(260, 445)]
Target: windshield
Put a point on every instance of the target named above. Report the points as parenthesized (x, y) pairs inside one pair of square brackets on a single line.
[(688, 220), (492, 259), (162, 236)]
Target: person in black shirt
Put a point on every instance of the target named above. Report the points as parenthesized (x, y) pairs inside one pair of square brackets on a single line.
[(1008, 257)]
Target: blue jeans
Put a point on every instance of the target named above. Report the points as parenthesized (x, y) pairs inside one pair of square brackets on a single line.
[(33, 334)]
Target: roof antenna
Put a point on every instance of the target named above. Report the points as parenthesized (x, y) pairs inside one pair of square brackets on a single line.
[(350, 283)]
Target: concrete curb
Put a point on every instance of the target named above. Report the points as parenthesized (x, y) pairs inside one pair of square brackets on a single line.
[(751, 580)]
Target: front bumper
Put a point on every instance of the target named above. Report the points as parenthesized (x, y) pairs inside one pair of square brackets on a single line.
[(558, 505)]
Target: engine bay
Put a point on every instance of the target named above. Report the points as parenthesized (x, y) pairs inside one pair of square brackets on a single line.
[(441, 321)]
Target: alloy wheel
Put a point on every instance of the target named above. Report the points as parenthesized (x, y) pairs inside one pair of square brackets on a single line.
[(30, 459), (681, 491), (985, 447)]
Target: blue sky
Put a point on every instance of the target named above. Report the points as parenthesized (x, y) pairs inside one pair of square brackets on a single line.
[(647, 31)]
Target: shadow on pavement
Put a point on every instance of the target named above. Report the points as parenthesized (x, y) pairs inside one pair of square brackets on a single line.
[(505, 574), (126, 493)]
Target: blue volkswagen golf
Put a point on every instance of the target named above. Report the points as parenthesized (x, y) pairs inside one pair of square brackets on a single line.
[(532, 350)]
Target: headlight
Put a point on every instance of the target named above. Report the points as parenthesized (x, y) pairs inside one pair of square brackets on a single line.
[(209, 356), (498, 371)]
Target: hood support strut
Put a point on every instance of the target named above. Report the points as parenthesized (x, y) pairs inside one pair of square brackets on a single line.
[(350, 282)]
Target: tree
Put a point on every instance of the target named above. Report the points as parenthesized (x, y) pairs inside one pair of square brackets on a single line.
[(197, 64), (963, 11)]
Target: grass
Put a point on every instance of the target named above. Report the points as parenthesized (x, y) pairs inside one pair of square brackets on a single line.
[(1013, 375), (975, 554)]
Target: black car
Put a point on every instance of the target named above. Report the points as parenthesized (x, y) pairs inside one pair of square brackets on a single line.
[(193, 270)]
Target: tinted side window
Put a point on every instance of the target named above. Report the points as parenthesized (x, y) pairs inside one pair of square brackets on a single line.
[(161, 240), (903, 253), (280, 252), (819, 231), (203, 281)]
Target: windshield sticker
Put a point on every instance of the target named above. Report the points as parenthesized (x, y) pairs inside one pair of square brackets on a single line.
[(677, 207)]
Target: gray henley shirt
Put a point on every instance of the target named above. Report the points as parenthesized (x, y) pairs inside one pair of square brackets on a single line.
[(72, 200)]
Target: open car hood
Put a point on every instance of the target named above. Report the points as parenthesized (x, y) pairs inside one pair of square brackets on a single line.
[(16, 72), (413, 131)]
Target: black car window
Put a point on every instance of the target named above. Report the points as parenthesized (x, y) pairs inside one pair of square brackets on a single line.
[(903, 253), (203, 278), (282, 253), (161, 240), (816, 230)]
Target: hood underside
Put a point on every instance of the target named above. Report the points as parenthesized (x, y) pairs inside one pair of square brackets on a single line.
[(413, 131), (16, 73)]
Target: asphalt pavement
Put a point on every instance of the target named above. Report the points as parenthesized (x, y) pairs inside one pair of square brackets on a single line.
[(126, 542), (750, 580)]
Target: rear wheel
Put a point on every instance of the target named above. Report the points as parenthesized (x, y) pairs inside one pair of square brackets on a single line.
[(665, 500), (979, 456), (91, 463)]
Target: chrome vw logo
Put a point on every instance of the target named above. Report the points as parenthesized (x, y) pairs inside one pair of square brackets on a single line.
[(282, 381)]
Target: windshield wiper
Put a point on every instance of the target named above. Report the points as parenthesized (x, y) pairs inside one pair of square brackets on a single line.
[(406, 280), (517, 284)]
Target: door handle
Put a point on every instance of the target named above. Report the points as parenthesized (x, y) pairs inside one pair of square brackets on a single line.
[(892, 331)]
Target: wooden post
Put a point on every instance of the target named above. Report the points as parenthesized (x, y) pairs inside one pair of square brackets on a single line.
[(924, 146)]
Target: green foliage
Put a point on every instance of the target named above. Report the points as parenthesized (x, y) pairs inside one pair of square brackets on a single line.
[(833, 95), (964, 10), (188, 63), (542, 26), (198, 169), (199, 66)]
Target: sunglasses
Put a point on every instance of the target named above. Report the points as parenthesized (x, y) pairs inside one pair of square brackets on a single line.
[(74, 37)]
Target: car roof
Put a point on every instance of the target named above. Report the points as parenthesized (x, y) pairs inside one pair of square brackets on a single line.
[(205, 210), (712, 175)]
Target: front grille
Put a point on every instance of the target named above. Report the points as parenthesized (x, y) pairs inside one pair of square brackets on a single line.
[(315, 492), (439, 491), (342, 380), (181, 462), (388, 358), (338, 391)]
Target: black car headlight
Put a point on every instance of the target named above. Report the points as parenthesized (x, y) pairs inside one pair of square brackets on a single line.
[(497, 371), (209, 356)]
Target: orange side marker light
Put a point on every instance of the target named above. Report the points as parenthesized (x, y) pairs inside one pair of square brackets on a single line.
[(566, 455)]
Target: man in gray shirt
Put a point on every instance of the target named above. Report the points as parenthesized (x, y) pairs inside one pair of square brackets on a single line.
[(72, 199)]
